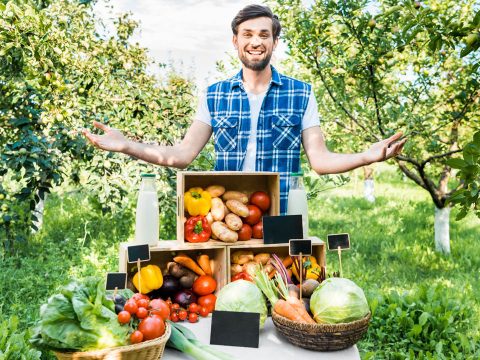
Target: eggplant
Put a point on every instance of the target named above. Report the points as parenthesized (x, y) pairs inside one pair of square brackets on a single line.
[(184, 298), (170, 287)]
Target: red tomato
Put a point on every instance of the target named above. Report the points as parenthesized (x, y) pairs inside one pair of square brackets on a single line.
[(204, 285), (182, 314), (242, 276), (142, 303), (192, 317), (193, 308), (208, 301), (124, 317), (245, 233), (138, 296), (141, 313), (160, 308), (152, 327), (175, 306), (258, 230), (174, 317), (203, 311), (261, 199), (131, 307), (136, 337), (254, 216)]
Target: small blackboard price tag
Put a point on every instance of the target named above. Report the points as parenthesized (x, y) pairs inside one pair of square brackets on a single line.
[(300, 246), (138, 252), (235, 329), (116, 281), (280, 229), (336, 241)]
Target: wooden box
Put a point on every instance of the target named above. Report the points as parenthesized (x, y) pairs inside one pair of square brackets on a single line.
[(247, 182), (162, 254), (281, 250)]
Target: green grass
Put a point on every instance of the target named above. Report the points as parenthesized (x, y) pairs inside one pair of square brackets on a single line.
[(392, 255)]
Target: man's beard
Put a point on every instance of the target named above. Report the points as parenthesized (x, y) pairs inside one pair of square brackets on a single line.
[(256, 65)]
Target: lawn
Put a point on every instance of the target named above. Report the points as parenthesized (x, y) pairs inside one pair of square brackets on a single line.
[(425, 305)]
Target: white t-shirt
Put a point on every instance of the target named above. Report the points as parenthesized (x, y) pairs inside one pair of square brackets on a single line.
[(309, 119)]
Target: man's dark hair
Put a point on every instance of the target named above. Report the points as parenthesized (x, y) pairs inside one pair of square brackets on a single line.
[(255, 11)]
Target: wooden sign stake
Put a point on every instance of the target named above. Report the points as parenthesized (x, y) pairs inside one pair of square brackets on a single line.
[(339, 249), (139, 277), (301, 275), (115, 292)]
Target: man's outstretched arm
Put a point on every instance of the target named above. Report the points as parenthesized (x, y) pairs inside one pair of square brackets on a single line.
[(179, 155), (323, 161)]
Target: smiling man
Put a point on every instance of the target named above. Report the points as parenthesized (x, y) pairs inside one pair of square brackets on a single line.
[(259, 117)]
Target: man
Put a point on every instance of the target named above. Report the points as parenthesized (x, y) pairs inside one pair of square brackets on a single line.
[(259, 117)]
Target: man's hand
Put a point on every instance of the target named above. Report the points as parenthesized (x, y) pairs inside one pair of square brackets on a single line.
[(112, 140), (385, 149)]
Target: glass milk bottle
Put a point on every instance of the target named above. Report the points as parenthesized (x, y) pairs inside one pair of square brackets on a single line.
[(147, 217), (297, 200)]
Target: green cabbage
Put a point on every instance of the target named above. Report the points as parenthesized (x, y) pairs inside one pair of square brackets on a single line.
[(242, 296), (338, 300)]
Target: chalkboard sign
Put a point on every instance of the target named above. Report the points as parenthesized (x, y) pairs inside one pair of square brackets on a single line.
[(138, 252), (116, 281), (280, 229), (300, 246), (235, 329), (336, 241)]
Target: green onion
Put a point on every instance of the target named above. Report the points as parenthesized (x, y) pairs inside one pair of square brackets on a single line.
[(266, 285)]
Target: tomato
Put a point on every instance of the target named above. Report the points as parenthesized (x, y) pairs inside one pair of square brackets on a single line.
[(208, 301), (193, 308), (142, 303), (131, 307), (254, 216), (182, 314), (160, 308), (175, 306), (242, 276), (141, 313), (138, 296), (174, 317), (204, 285), (261, 199), (245, 233), (203, 311), (136, 337), (192, 317), (258, 230), (124, 317), (152, 327)]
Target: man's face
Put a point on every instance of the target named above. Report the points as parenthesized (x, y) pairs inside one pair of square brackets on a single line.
[(255, 43)]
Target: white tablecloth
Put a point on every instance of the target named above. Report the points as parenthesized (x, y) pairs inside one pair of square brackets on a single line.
[(272, 346)]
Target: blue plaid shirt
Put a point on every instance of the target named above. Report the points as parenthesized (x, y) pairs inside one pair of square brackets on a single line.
[(278, 129)]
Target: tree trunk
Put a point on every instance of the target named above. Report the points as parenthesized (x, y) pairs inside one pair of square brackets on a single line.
[(38, 212), (368, 184), (442, 229)]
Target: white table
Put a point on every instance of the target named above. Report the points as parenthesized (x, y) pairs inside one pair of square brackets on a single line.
[(272, 346)]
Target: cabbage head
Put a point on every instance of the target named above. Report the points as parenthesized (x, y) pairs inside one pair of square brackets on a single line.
[(242, 296), (338, 300)]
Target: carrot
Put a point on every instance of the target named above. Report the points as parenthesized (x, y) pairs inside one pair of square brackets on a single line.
[(204, 261), (285, 309), (287, 261), (300, 309), (188, 262)]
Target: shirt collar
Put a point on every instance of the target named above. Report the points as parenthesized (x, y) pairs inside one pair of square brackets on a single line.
[(237, 79)]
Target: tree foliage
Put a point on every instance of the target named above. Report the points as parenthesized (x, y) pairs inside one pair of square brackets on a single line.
[(376, 70)]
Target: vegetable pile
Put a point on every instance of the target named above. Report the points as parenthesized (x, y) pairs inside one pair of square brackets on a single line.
[(228, 216)]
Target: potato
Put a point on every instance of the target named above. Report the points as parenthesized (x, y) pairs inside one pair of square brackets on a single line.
[(236, 195), (218, 209), (262, 258), (309, 286), (233, 222), (250, 268), (209, 218), (242, 257), (226, 209), (237, 208), (222, 232), (235, 269), (215, 190)]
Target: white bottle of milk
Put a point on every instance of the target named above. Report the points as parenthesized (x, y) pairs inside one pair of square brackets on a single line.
[(147, 217), (297, 200)]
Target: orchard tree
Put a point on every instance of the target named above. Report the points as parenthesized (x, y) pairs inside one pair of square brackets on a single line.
[(378, 73), (57, 75)]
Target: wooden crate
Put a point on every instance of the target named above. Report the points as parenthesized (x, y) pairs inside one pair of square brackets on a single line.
[(162, 254), (281, 250), (247, 182)]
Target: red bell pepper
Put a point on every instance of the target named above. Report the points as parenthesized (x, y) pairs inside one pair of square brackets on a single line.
[(242, 276), (197, 229)]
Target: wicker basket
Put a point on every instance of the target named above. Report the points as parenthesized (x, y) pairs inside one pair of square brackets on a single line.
[(321, 337), (147, 350)]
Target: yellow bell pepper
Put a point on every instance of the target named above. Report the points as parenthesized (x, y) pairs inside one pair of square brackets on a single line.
[(198, 201), (151, 279), (314, 270)]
